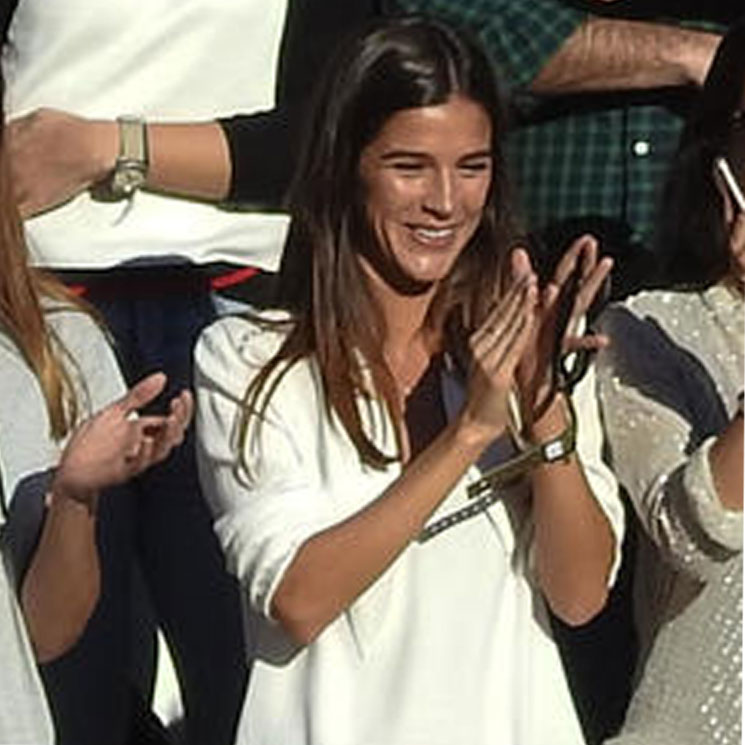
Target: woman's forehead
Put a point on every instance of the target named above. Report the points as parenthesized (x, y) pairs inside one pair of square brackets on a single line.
[(459, 122)]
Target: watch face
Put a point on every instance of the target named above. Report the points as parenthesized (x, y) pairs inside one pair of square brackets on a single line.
[(127, 179)]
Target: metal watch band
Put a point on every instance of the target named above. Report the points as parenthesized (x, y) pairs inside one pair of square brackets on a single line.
[(130, 169), (132, 140)]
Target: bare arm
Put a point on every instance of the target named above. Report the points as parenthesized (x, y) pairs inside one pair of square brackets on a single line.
[(56, 155), (61, 587), (726, 459), (335, 566), (607, 54), (573, 540), (574, 544)]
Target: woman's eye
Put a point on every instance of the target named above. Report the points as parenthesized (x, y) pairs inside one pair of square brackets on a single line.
[(407, 166), (475, 167)]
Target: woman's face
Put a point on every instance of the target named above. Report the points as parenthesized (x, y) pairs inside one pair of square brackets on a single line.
[(425, 181)]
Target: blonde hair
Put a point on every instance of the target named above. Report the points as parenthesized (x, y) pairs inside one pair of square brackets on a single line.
[(23, 289)]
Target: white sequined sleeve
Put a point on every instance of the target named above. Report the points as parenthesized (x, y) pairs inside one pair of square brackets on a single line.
[(660, 426)]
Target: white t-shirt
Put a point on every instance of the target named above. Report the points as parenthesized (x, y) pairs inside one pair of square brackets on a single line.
[(167, 60), (451, 646)]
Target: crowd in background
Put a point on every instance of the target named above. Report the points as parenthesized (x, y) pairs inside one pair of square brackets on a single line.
[(437, 489)]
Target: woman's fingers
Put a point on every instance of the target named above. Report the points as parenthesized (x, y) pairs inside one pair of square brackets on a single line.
[(142, 393), (503, 310), (520, 264), (582, 251), (580, 259), (500, 327), (507, 357), (504, 337), (158, 435), (590, 342), (591, 285)]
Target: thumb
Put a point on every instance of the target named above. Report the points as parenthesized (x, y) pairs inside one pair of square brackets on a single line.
[(143, 392), (520, 265)]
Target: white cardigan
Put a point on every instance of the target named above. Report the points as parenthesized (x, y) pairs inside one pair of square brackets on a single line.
[(451, 645)]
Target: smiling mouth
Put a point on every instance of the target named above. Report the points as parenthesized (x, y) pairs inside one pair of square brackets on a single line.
[(433, 235)]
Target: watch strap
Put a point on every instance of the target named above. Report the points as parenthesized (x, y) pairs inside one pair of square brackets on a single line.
[(132, 141)]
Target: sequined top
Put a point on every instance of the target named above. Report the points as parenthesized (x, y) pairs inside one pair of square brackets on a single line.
[(669, 385)]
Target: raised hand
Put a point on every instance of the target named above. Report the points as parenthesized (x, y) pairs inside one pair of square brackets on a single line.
[(116, 444), (497, 347), (54, 156), (534, 373)]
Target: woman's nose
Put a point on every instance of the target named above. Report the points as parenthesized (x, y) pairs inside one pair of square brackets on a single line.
[(441, 194)]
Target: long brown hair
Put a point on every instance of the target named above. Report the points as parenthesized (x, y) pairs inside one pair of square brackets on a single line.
[(22, 290), (397, 64)]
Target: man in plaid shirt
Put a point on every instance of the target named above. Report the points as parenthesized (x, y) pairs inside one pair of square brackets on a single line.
[(598, 100)]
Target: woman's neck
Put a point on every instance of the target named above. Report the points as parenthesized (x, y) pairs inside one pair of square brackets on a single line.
[(409, 342)]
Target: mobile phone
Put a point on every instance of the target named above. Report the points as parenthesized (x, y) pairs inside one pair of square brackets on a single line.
[(733, 187)]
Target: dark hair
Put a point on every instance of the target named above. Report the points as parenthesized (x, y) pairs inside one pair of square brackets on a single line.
[(693, 239), (398, 63)]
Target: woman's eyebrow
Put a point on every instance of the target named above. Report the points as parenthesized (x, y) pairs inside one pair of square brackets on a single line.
[(393, 154), (401, 153)]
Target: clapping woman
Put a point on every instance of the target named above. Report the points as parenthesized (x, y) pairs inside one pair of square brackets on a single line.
[(338, 435)]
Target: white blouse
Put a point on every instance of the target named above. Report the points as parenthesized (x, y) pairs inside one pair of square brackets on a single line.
[(669, 386), (451, 645)]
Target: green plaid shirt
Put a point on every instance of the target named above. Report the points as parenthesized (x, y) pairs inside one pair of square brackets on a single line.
[(595, 156)]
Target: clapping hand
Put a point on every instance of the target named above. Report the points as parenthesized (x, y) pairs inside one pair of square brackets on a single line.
[(497, 347), (534, 373)]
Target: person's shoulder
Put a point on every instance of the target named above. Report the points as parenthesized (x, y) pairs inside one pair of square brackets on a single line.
[(233, 350), (253, 338), (14, 369), (649, 305), (73, 325), (84, 341)]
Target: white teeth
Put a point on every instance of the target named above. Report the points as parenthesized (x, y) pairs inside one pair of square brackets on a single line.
[(432, 234)]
